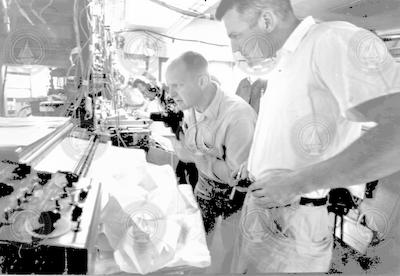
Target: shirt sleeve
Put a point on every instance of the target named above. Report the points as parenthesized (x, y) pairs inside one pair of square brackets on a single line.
[(355, 66), (238, 140)]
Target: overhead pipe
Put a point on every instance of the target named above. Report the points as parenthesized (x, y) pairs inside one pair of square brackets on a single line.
[(6, 18), (184, 12)]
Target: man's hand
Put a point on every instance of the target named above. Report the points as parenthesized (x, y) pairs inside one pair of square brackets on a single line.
[(241, 174), (276, 188)]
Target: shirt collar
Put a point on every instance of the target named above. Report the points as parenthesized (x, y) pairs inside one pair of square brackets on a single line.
[(213, 109), (298, 34)]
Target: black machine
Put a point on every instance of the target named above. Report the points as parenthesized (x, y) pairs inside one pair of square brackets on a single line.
[(48, 221), (130, 137), (170, 118)]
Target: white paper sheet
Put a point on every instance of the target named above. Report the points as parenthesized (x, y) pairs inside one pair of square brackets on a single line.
[(149, 223)]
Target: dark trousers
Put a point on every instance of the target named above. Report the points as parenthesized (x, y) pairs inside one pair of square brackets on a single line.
[(187, 173), (213, 200)]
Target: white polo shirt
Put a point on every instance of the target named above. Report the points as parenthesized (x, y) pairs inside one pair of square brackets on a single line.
[(218, 140), (323, 71)]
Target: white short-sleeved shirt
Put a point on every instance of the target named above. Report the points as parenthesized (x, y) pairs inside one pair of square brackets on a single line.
[(323, 71), (221, 135)]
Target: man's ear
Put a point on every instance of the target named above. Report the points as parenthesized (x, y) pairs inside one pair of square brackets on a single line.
[(267, 21), (204, 80)]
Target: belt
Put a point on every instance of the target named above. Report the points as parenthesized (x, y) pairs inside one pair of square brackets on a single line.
[(313, 201)]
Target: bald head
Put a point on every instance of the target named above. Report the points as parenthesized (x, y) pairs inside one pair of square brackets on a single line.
[(188, 80), (191, 63)]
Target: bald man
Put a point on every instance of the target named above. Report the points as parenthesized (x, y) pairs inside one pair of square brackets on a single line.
[(324, 79), (217, 135)]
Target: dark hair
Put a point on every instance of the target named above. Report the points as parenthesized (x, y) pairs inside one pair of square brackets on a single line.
[(137, 82), (281, 7)]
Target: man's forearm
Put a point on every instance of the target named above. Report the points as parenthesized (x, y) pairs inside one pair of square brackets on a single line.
[(182, 153), (374, 155)]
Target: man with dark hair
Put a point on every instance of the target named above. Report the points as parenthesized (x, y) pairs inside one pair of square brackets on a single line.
[(323, 80), (253, 8), (217, 134)]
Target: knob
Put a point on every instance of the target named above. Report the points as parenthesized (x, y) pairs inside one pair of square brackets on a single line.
[(43, 177), (25, 194), (76, 213), (5, 189), (7, 213), (57, 204), (71, 178), (82, 195), (22, 171)]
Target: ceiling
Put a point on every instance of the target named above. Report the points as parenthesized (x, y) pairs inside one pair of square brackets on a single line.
[(380, 15), (150, 15)]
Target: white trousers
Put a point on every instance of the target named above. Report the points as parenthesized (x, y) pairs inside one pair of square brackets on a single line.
[(288, 239)]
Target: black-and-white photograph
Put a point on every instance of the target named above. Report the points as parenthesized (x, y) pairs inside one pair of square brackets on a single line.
[(200, 137)]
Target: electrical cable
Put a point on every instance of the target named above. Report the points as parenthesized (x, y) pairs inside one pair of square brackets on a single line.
[(24, 14), (80, 22), (184, 12), (172, 38), (77, 34), (45, 7)]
